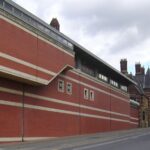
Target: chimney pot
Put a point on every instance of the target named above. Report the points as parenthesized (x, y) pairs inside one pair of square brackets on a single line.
[(142, 70), (55, 24), (123, 66), (138, 68)]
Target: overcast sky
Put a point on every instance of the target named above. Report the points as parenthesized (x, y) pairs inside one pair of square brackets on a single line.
[(111, 29)]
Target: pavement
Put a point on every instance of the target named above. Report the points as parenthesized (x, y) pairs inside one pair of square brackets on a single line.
[(135, 139)]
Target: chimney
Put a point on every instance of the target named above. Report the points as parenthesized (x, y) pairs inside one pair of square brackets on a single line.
[(123, 66), (142, 70), (130, 75), (138, 68), (55, 24)]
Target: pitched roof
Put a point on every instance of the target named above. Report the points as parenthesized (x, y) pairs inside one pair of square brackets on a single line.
[(139, 80), (142, 80), (147, 79)]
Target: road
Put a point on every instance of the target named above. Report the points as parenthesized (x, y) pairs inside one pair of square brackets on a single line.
[(138, 139), (140, 142)]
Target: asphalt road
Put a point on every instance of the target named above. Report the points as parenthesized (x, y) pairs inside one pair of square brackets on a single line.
[(139, 142), (138, 139)]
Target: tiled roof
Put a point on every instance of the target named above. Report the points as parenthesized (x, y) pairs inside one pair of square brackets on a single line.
[(143, 81), (147, 79), (139, 80)]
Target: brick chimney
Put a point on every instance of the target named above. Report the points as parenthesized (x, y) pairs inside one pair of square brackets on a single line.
[(142, 70), (55, 24), (138, 68), (123, 66)]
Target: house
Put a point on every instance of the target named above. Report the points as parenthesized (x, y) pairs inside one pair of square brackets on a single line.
[(139, 92)]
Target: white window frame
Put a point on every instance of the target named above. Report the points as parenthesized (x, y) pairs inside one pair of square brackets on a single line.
[(114, 83), (86, 96), (124, 88), (103, 77), (63, 86), (69, 85), (92, 96)]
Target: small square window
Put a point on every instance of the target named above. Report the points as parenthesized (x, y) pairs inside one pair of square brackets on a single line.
[(60, 85), (91, 95), (86, 93), (69, 88)]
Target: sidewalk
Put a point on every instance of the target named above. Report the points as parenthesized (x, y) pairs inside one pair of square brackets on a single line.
[(73, 141)]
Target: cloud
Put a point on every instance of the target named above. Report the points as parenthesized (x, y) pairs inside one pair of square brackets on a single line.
[(31, 6), (111, 29)]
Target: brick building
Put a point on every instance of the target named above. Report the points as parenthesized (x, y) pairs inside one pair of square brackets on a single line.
[(50, 86), (141, 91)]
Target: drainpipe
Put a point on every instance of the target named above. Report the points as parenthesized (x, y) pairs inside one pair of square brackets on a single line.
[(22, 116), (110, 103), (79, 99)]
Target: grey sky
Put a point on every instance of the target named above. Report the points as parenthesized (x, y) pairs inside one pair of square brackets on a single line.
[(111, 29)]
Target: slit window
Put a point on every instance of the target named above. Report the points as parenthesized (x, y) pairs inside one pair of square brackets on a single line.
[(102, 77), (86, 93), (91, 95), (143, 117), (69, 88), (60, 85), (114, 83)]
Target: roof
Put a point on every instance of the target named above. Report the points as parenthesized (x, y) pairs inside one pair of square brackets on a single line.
[(99, 60), (143, 81), (53, 31), (147, 79), (139, 80), (115, 71)]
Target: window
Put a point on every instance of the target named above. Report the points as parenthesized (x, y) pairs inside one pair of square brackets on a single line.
[(40, 26), (86, 93), (60, 85), (26, 17), (114, 83), (91, 95), (33, 22), (8, 7), (17, 12), (143, 117), (59, 38), (53, 35), (69, 88), (124, 88), (86, 69), (70, 45), (102, 77), (46, 30), (1, 2), (65, 42)]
